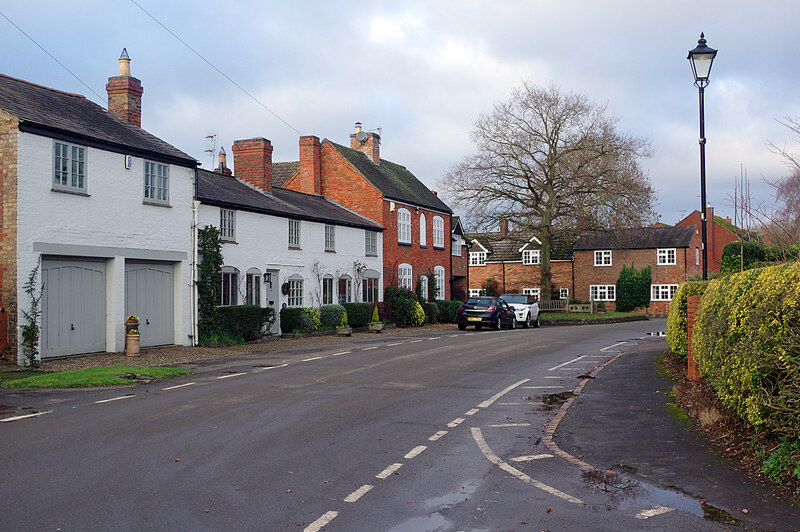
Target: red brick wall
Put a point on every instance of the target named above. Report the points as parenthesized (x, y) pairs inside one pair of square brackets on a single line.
[(692, 303), (514, 276), (252, 162), (308, 177), (718, 237), (9, 139), (125, 98)]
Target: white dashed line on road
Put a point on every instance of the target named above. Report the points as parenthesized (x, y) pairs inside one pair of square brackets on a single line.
[(567, 363), (320, 523), (360, 492), (453, 335), (414, 341), (340, 353), (438, 435), (436, 338), (652, 512), (413, 453), (178, 386), (116, 398), (258, 370), (553, 377), (505, 425), (531, 457), (541, 387), (310, 359), (613, 346), (394, 344), (509, 404), (388, 471), (369, 348), (501, 393), (26, 416), (456, 422), (231, 375), (471, 412)]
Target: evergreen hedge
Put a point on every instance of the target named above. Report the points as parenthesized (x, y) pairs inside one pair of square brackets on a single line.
[(676, 319), (448, 310), (245, 321), (290, 319), (401, 302), (633, 288), (732, 256), (358, 314), (431, 312), (331, 315)]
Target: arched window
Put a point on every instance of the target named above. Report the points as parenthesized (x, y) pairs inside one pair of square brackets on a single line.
[(405, 276), (422, 229), (423, 283), (252, 292), (327, 290), (295, 296), (404, 226), (345, 289), (369, 283), (438, 232), (229, 292), (438, 273)]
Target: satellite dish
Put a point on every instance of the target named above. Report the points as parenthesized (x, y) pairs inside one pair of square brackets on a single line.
[(361, 136)]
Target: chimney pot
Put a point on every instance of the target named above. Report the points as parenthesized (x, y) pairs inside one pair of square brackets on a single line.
[(252, 160), (125, 93)]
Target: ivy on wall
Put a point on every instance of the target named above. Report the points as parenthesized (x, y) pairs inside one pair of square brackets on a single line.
[(209, 281)]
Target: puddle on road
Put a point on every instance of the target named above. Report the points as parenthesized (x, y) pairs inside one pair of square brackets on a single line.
[(436, 520), (433, 522), (13, 411), (445, 502)]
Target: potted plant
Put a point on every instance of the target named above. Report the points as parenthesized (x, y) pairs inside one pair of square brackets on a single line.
[(132, 343), (375, 324), (600, 307), (344, 329), (131, 322)]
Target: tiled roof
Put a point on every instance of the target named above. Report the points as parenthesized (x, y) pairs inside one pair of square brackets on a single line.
[(637, 238), (507, 248), (227, 191), (393, 180), (282, 172), (51, 112)]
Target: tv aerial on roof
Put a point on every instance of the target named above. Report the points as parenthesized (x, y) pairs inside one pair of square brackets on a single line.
[(361, 136)]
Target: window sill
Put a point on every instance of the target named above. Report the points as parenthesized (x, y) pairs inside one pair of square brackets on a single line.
[(603, 265), (74, 192), (440, 248), (156, 204), (371, 254), (228, 241), (423, 246), (405, 244), (295, 248), (330, 251)]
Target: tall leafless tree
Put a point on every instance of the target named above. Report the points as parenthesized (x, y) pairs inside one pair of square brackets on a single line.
[(784, 224), (551, 162)]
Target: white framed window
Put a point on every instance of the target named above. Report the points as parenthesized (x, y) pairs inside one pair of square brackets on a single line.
[(475, 292), (405, 276), (227, 224), (253, 288), (423, 228), (327, 290), (438, 273), (345, 289), (602, 258), (423, 284), (455, 245), (69, 167), (403, 226), (666, 256), (370, 243), (563, 293), (294, 233), (295, 296), (697, 256), (477, 258), (369, 285), (156, 182), (229, 291), (438, 232), (662, 292), (603, 292), (330, 237), (531, 256), (536, 292)]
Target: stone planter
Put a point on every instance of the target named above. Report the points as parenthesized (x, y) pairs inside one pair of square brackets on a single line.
[(132, 345), (344, 331), (131, 325), (376, 327)]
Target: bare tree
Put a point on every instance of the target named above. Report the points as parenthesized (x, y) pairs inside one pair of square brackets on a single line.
[(547, 160)]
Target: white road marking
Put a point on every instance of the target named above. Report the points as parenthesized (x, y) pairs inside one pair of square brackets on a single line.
[(612, 346), (489, 454), (396, 343), (541, 387), (471, 412), (388, 471), (320, 523), (258, 370), (531, 457), (231, 375), (456, 422), (566, 363), (341, 353), (435, 338), (369, 348), (37, 414), (438, 435), (501, 393), (453, 335), (360, 492), (652, 512), (178, 386), (413, 453), (597, 356), (504, 425), (509, 404), (115, 398), (414, 341), (310, 359), (553, 377)]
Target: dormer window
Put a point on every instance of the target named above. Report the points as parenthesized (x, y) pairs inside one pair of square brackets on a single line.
[(477, 258), (530, 256)]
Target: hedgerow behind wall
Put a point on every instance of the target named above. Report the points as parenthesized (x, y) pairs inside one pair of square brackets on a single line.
[(676, 319), (746, 341)]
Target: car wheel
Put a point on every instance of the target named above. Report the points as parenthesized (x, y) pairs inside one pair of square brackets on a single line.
[(497, 325), (537, 322), (462, 326), (513, 324), (527, 322)]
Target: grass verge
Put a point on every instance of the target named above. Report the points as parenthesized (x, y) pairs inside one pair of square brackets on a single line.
[(89, 377)]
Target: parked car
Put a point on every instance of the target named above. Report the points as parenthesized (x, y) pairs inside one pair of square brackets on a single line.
[(525, 307), (490, 311)]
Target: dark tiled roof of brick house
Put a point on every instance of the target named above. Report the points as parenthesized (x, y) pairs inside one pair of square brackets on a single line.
[(227, 191), (72, 117), (282, 172), (507, 248), (637, 238)]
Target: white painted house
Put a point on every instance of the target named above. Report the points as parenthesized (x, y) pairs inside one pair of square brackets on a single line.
[(282, 247), (105, 207)]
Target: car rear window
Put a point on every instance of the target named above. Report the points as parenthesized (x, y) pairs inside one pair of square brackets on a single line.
[(512, 298), (480, 301)]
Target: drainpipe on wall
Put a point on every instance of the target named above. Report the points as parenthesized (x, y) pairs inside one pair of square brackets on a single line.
[(504, 276), (193, 311)]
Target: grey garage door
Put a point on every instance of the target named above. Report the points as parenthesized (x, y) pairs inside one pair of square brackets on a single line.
[(149, 290), (73, 307)]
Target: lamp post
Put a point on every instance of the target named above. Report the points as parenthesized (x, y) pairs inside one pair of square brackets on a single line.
[(701, 59)]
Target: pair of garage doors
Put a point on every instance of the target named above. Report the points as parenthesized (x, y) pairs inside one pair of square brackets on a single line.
[(74, 304)]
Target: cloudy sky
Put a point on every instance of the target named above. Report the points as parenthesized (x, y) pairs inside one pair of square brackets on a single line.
[(422, 71)]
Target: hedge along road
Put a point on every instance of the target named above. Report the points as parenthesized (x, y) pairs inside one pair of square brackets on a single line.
[(403, 433)]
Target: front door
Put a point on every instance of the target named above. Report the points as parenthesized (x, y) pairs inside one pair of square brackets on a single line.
[(272, 295)]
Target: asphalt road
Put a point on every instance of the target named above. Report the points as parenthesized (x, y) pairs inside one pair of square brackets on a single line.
[(405, 433)]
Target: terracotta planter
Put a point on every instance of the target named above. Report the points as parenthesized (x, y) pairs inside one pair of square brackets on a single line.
[(132, 345), (131, 325), (376, 326)]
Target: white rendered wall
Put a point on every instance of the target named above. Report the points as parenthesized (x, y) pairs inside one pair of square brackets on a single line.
[(111, 223)]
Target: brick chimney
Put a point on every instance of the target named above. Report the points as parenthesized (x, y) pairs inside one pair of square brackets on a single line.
[(369, 143), (309, 179), (223, 163), (252, 160), (503, 227), (125, 93)]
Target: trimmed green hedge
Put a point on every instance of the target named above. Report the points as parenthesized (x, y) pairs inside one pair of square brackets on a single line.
[(245, 321), (676, 319), (431, 312), (746, 343), (290, 319), (633, 288), (732, 256), (448, 310), (401, 302), (331, 315), (358, 314)]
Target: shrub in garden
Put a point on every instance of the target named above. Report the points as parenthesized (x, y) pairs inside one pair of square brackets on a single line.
[(331, 315), (290, 319), (431, 312), (385, 312), (401, 302), (358, 314), (417, 317), (746, 342), (633, 288), (313, 315), (676, 319), (736, 253), (490, 287), (304, 323), (245, 321), (449, 310)]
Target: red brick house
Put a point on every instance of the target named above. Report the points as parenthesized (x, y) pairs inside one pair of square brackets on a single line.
[(719, 232), (459, 261), (416, 241), (600, 255)]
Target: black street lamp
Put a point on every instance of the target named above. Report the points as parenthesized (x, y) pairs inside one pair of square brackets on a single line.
[(701, 59)]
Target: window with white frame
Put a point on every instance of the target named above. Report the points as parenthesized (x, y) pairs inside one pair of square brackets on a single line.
[(438, 273), (438, 232), (477, 258), (345, 289), (697, 256), (662, 292), (531, 256), (369, 284), (475, 292), (69, 167), (330, 237), (295, 296), (229, 290), (602, 258), (666, 256), (227, 224), (327, 290), (156, 182), (455, 245), (403, 226), (405, 276), (370, 243), (253, 288), (563, 293), (536, 292), (423, 227), (603, 292), (423, 285), (294, 233)]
